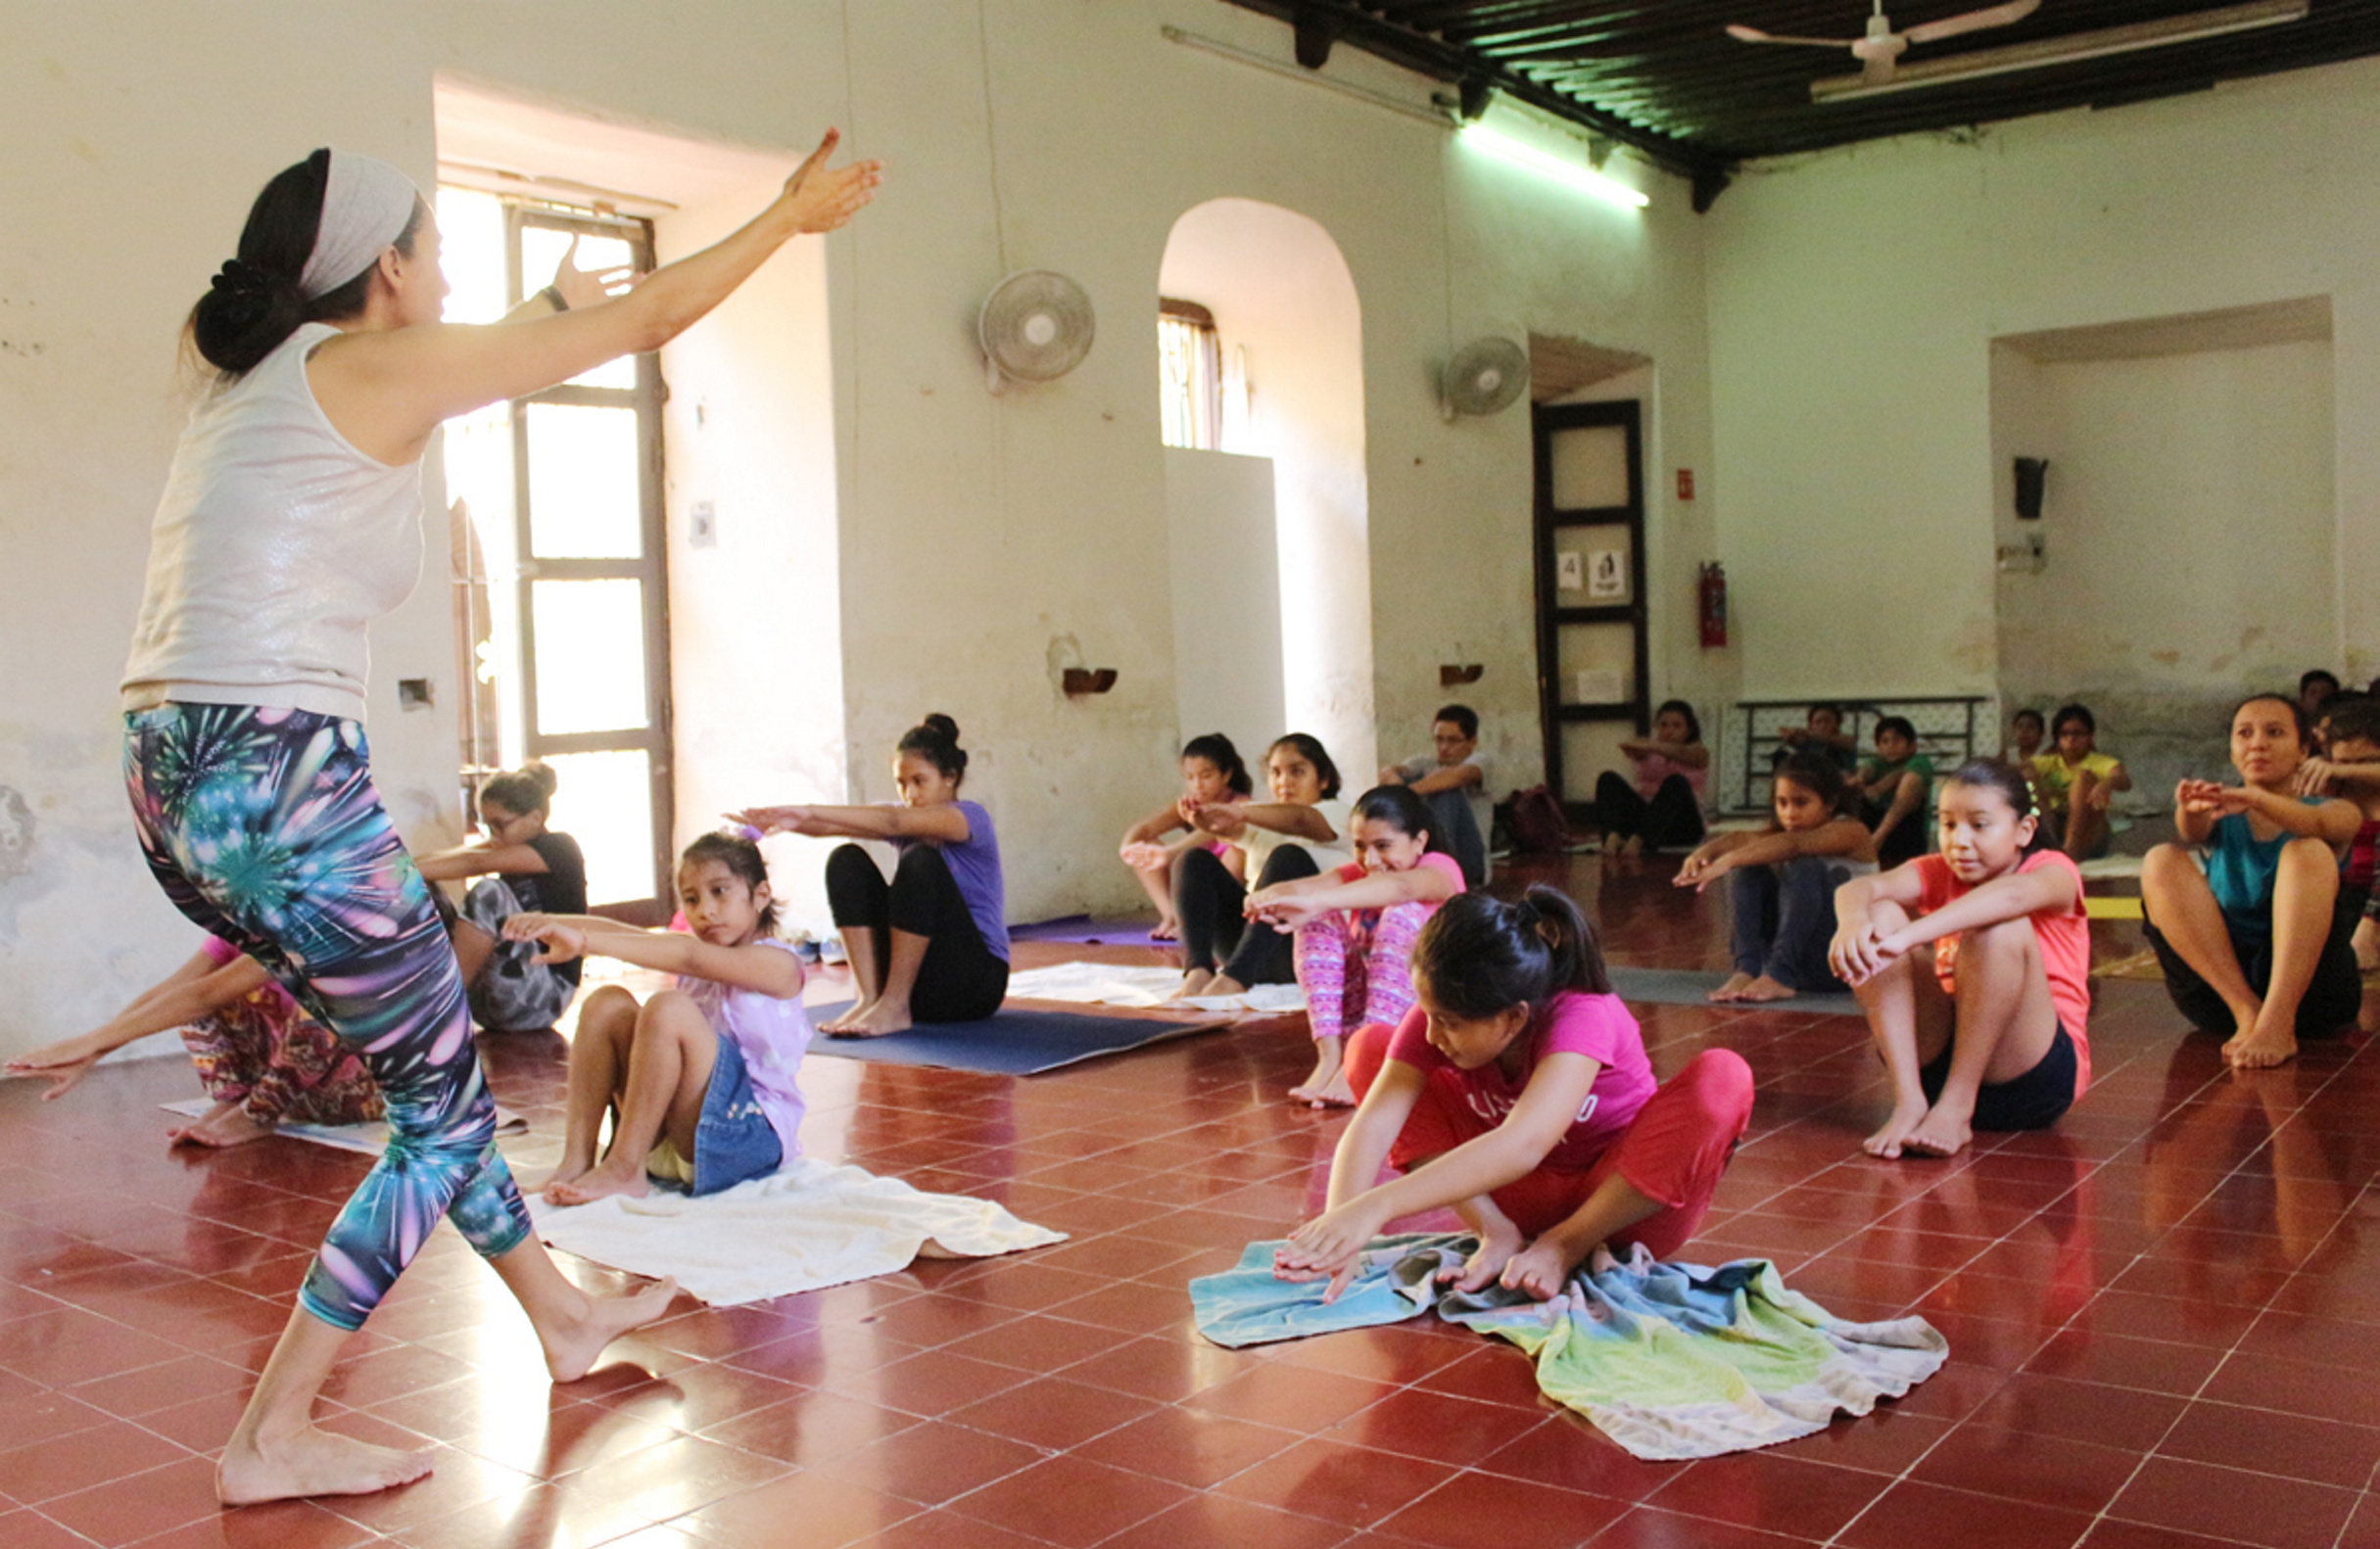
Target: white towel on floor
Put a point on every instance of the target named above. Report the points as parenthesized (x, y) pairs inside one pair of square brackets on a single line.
[(1106, 984), (807, 1225)]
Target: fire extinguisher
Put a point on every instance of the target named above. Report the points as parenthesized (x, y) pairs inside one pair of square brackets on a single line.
[(1711, 605)]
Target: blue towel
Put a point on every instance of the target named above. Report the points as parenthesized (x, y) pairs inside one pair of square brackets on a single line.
[(1672, 1361)]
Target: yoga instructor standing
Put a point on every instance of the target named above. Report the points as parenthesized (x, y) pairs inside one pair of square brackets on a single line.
[(291, 517)]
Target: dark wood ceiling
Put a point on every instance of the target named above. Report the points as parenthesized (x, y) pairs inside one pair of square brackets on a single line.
[(1664, 77)]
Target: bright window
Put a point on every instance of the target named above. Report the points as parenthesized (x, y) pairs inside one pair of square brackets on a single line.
[(1190, 364)]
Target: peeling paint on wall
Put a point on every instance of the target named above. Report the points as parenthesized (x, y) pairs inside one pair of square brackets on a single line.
[(16, 833)]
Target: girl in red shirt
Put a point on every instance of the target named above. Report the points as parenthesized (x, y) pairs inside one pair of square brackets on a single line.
[(1992, 1037)]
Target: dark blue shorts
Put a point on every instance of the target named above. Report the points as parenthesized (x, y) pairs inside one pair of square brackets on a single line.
[(2034, 1100), (734, 1140)]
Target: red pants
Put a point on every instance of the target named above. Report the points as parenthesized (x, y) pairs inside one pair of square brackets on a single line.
[(1674, 1152)]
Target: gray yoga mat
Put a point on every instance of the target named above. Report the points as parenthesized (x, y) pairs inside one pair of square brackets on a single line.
[(1693, 987)]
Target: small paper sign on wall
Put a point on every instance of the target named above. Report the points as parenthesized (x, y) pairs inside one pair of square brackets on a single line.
[(1600, 685), (1569, 570), (1605, 577)]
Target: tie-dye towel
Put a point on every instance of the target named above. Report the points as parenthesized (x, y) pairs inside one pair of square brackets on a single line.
[(1672, 1361)]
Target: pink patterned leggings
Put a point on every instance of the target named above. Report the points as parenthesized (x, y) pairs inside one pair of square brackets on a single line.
[(1352, 975)]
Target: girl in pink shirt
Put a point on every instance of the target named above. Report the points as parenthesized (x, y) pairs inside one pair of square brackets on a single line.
[(1354, 929), (1517, 1093), (1987, 1032)]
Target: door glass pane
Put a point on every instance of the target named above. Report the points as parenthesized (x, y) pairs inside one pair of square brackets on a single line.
[(1597, 664), (588, 644), (585, 499), (1590, 467), (1589, 748), (542, 250), (605, 802)]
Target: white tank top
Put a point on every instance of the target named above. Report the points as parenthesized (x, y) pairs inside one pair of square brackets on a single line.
[(275, 542)]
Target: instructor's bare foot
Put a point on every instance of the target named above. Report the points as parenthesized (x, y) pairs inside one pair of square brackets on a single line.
[(1765, 988), (220, 1126), (1731, 990), (1888, 1141), (310, 1462), (885, 1017), (599, 1183), (571, 1350)]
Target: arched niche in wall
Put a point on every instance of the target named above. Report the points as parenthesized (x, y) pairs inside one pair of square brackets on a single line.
[(1297, 621)]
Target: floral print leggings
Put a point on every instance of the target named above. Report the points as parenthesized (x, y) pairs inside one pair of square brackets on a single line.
[(1356, 967), (264, 828)]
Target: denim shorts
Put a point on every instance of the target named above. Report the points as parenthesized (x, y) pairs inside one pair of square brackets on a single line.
[(734, 1140)]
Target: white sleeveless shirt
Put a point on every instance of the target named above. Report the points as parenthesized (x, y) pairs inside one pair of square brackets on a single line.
[(275, 542)]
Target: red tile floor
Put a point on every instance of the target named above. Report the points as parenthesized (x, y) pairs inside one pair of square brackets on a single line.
[(2162, 1331)]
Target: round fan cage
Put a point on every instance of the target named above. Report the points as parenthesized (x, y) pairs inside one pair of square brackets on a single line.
[(1036, 326), (1486, 376)]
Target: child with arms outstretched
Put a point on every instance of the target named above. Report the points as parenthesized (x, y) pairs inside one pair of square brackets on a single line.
[(2255, 947), (1517, 1093), (1782, 882), (1987, 1032), (698, 1080), (1212, 772), (1354, 929)]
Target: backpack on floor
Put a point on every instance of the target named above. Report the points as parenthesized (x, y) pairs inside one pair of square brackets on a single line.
[(1536, 823)]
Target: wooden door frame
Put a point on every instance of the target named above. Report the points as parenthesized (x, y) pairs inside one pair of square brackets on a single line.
[(1545, 420)]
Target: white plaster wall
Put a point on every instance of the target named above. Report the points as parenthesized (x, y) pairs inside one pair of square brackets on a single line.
[(1227, 633), (1290, 326), (1853, 296), (974, 536)]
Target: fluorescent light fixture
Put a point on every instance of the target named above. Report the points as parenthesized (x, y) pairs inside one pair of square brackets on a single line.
[(1584, 179), (2101, 44)]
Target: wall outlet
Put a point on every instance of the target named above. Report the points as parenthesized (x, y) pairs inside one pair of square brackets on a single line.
[(703, 526)]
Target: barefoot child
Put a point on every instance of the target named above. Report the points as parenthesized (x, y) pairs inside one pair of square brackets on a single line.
[(1517, 1093), (930, 945), (527, 868), (1782, 882), (1894, 788), (1355, 929), (1987, 1032), (263, 1061), (698, 1081), (1211, 772), (2078, 783), (2255, 947), (1297, 834)]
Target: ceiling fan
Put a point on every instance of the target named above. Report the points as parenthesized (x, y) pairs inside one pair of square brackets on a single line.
[(1882, 48)]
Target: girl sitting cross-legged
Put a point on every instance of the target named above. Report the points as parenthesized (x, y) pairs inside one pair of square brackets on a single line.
[(1356, 925), (698, 1080), (1517, 1093), (1988, 1032), (1782, 882), (2258, 947)]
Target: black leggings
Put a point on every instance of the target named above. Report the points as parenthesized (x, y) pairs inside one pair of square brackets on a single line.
[(1672, 817), (1216, 936), (959, 980)]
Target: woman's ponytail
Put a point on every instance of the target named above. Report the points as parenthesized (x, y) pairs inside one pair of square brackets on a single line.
[(1480, 957)]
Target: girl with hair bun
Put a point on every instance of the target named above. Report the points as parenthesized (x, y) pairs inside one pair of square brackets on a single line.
[(1517, 1093), (291, 519), (1986, 1031), (530, 869), (698, 1081), (1212, 772), (930, 945)]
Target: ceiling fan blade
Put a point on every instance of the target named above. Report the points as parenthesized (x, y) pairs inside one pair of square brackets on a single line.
[(1972, 21), (1753, 35)]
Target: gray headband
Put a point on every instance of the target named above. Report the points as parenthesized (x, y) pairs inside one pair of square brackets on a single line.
[(366, 205)]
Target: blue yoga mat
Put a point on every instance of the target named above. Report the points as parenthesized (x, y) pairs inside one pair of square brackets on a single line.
[(1691, 987), (1013, 1041)]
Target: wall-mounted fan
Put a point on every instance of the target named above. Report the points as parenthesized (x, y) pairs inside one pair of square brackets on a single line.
[(1879, 51), (1487, 376), (1035, 326)]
